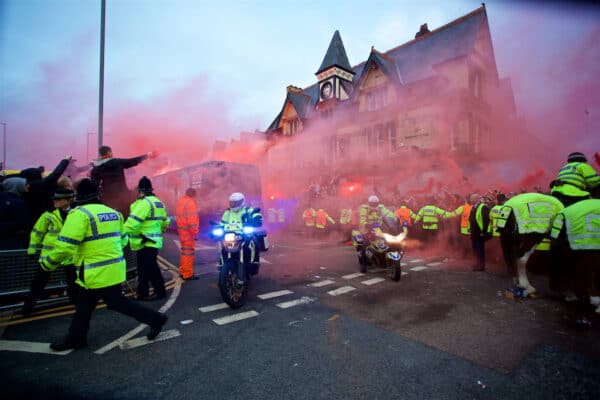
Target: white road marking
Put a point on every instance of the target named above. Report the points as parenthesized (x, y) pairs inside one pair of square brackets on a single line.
[(235, 317), (418, 268), (372, 281), (403, 273), (214, 307), (434, 264), (342, 290), (352, 276), (415, 260), (292, 303), (176, 290), (271, 295), (141, 341), (321, 283), (263, 260), (30, 347)]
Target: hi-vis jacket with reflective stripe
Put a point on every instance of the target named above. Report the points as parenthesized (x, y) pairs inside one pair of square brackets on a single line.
[(309, 215), (533, 212), (43, 235), (582, 222), (93, 234), (186, 216), (494, 214), (580, 175), (234, 221), (431, 216), (405, 214), (146, 223), (368, 215)]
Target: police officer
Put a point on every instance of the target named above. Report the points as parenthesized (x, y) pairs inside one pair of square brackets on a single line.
[(145, 225), (234, 218), (93, 234), (575, 180)]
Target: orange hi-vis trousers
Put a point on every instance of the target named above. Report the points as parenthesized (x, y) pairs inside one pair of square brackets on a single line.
[(186, 259)]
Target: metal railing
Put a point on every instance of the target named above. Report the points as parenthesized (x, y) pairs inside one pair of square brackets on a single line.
[(17, 270)]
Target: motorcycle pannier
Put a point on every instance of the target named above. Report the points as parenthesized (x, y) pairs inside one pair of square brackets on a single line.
[(261, 241)]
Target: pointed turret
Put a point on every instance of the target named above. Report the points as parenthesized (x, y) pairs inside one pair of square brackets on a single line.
[(335, 74), (336, 55)]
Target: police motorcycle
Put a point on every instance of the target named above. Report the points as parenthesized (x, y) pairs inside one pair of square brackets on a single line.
[(379, 248), (237, 250)]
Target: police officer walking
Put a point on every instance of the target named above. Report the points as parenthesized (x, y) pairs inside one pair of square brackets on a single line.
[(94, 235), (145, 225)]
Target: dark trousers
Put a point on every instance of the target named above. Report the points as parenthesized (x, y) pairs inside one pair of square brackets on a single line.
[(149, 273), (40, 280), (114, 299), (478, 245)]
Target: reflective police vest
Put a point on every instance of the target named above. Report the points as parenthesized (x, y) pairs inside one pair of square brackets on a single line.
[(430, 216), (580, 175), (581, 222), (93, 234), (44, 234), (533, 212), (368, 215), (494, 214), (146, 223), (322, 218), (234, 220)]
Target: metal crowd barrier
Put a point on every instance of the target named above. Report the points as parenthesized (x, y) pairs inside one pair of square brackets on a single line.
[(17, 269)]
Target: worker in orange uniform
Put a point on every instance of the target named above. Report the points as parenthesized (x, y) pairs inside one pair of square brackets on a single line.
[(321, 221), (308, 216), (186, 217)]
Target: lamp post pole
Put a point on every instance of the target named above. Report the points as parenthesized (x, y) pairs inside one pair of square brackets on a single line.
[(101, 83), (3, 144)]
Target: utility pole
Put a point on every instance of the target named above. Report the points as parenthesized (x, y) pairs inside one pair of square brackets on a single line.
[(101, 84)]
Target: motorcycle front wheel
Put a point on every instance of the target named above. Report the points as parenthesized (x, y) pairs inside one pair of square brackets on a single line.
[(233, 292), (394, 270)]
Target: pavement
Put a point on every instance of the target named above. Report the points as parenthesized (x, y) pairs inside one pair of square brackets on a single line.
[(314, 327)]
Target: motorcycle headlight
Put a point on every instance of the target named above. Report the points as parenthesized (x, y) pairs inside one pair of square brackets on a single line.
[(248, 230), (217, 232), (229, 237)]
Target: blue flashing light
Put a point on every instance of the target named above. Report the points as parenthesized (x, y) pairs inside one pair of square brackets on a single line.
[(248, 230), (218, 232)]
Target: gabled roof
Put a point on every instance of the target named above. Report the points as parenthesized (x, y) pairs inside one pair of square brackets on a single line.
[(384, 63), (410, 62), (336, 55), (302, 102)]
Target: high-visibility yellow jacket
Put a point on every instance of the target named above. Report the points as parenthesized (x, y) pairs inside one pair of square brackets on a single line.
[(234, 220), (345, 216), (370, 216), (431, 216), (579, 174), (581, 223), (186, 216), (146, 223), (43, 236), (94, 235), (494, 214)]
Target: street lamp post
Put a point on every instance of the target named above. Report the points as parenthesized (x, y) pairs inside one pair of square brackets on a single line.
[(87, 146), (3, 144)]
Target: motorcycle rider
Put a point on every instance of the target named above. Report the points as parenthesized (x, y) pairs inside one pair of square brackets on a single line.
[(372, 213), (235, 217)]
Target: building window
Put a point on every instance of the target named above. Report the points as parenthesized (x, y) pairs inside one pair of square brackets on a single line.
[(476, 83), (292, 126), (377, 99), (391, 129)]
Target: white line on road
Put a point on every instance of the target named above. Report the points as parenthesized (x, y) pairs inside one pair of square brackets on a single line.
[(321, 283), (141, 341), (403, 273), (434, 264), (263, 260), (174, 270), (214, 307), (342, 290), (418, 268), (30, 347), (235, 317), (415, 260), (271, 295), (352, 276), (372, 281), (292, 303)]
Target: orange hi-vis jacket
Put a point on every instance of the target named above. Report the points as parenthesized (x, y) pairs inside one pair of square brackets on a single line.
[(186, 217), (405, 215), (309, 216), (322, 218)]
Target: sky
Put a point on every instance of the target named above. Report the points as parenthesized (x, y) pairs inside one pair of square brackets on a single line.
[(180, 74)]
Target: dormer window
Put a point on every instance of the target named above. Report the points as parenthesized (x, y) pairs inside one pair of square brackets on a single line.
[(377, 99), (292, 126)]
